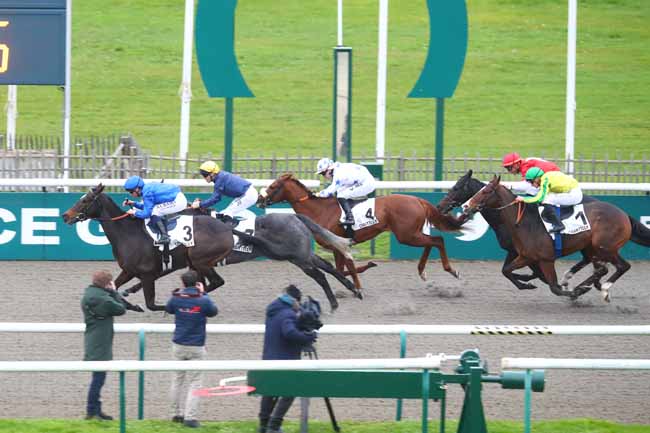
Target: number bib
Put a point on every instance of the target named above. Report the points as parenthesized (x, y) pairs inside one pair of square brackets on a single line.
[(182, 233), (364, 214), (574, 223)]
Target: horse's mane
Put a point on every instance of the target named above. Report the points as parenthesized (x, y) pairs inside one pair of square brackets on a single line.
[(292, 177)]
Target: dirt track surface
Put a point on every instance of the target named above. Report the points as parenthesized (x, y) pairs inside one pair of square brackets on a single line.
[(50, 292)]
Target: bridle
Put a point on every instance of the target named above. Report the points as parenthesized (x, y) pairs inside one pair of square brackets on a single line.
[(268, 200), (520, 208), (81, 215)]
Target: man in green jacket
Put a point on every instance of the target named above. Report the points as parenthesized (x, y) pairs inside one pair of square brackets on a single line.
[(99, 304)]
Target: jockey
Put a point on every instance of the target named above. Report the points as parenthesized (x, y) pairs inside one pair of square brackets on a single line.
[(227, 184), (349, 182), (158, 200), (555, 189), (514, 164)]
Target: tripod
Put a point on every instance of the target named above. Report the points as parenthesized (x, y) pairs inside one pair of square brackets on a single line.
[(310, 351)]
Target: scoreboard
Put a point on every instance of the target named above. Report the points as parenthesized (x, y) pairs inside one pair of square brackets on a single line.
[(32, 42)]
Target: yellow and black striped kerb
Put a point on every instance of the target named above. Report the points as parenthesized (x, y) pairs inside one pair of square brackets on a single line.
[(511, 330)]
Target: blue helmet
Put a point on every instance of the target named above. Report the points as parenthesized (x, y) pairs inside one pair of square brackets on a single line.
[(133, 182)]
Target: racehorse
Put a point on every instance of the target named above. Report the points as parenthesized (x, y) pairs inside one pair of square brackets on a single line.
[(463, 190), (134, 250), (611, 228), (403, 215), (286, 237), (281, 236)]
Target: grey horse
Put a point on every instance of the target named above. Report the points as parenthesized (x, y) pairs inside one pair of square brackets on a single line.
[(281, 236)]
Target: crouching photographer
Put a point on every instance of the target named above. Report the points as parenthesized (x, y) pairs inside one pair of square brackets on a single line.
[(283, 339)]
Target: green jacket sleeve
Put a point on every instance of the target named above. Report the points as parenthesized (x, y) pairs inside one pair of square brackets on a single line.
[(109, 306)]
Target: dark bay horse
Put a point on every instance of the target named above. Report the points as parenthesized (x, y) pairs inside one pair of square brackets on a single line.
[(611, 228), (463, 190), (288, 237), (134, 250), (403, 215)]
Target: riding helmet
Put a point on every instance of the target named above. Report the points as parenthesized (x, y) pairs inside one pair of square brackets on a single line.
[(133, 182), (510, 159), (533, 173), (208, 168), (323, 165)]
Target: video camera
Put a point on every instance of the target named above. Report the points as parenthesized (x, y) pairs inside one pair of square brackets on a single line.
[(309, 316)]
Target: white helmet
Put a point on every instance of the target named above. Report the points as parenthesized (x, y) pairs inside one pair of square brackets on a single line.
[(323, 165)]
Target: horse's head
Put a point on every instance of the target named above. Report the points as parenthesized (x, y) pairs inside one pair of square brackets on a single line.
[(284, 188), (485, 197), (462, 191), (86, 207)]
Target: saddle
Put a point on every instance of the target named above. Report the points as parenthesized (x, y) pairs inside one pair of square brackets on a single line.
[(565, 212), (170, 223)]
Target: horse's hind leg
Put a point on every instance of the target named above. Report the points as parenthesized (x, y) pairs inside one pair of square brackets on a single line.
[(319, 277), (341, 263), (326, 266), (214, 279), (429, 242), (622, 266), (575, 269), (594, 279)]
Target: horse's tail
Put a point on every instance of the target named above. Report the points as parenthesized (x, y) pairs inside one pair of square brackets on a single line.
[(443, 222), (640, 233), (327, 238)]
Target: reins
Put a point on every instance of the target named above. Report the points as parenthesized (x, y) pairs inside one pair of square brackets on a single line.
[(520, 209)]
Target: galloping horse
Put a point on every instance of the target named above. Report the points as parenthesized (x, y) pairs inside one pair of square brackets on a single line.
[(403, 215), (611, 228), (289, 237), (134, 250)]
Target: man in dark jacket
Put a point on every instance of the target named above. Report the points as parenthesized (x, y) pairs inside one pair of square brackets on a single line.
[(191, 308), (99, 304), (282, 340)]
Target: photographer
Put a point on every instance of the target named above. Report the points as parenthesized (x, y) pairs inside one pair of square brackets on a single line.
[(282, 340)]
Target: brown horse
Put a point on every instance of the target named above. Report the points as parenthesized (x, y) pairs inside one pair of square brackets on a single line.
[(404, 215), (611, 228)]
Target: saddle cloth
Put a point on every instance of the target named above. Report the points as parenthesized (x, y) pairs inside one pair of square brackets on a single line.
[(246, 224), (180, 229), (364, 214), (573, 217)]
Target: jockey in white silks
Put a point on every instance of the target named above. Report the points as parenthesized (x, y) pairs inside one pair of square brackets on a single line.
[(349, 182)]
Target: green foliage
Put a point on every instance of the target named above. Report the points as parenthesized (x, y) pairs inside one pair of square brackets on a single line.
[(80, 426), (127, 70)]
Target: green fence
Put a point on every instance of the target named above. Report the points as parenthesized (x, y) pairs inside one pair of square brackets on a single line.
[(31, 228), (487, 248)]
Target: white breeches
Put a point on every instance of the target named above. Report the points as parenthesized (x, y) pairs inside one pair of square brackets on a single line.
[(564, 198), (242, 202), (356, 191), (176, 205)]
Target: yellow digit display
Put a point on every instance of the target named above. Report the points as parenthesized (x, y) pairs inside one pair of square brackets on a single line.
[(4, 52)]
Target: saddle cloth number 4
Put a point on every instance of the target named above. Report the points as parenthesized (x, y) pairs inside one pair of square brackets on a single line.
[(364, 214)]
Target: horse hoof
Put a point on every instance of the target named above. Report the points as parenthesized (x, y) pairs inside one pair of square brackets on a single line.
[(125, 293), (455, 273), (527, 287), (359, 295), (371, 265), (423, 276)]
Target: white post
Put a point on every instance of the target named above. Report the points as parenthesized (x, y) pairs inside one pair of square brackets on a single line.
[(186, 84), (571, 85), (381, 80), (339, 20), (12, 113), (67, 91)]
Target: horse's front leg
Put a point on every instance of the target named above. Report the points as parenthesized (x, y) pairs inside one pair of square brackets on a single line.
[(341, 262), (123, 278), (214, 279), (149, 289), (564, 282), (548, 269), (516, 279)]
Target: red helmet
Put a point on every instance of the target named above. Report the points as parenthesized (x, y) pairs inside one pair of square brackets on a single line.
[(510, 159)]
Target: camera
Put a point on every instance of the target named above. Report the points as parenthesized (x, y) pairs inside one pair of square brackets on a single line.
[(309, 315)]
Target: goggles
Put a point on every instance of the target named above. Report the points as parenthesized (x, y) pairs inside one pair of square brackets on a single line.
[(204, 173)]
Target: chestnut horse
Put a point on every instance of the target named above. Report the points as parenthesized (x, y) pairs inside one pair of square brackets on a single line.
[(404, 215), (611, 228)]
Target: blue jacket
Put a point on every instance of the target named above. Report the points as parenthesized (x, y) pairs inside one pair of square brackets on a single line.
[(191, 309), (227, 184), (282, 339), (153, 194)]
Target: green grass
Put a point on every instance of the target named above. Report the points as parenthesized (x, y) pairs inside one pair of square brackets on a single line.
[(127, 70), (80, 426)]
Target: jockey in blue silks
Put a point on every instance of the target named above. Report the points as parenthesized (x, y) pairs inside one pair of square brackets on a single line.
[(241, 190), (158, 200)]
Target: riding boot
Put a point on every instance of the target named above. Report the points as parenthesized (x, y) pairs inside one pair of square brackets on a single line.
[(345, 205), (553, 218), (162, 226)]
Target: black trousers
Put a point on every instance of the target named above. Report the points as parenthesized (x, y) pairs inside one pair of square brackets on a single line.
[(273, 410)]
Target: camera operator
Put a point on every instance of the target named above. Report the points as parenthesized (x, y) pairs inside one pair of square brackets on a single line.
[(282, 340)]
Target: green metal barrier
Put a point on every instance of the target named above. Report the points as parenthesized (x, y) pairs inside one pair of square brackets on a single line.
[(470, 374)]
